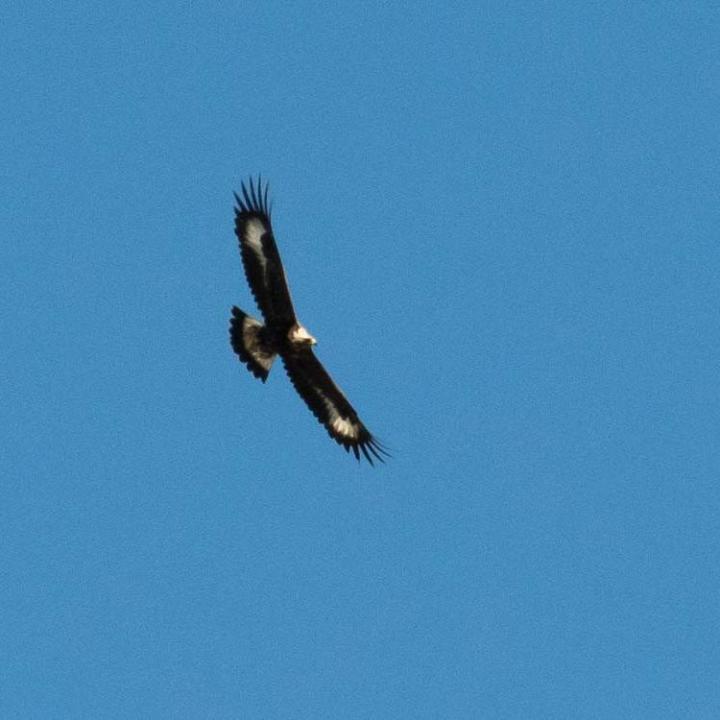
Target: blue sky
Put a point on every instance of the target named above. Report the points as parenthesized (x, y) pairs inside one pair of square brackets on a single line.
[(501, 222)]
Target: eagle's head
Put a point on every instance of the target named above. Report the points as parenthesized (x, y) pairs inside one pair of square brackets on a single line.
[(298, 335)]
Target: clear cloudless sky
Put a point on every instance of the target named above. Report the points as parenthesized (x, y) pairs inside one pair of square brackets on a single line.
[(501, 221)]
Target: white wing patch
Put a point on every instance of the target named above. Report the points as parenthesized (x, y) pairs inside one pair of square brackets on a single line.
[(344, 427), (254, 230), (341, 425)]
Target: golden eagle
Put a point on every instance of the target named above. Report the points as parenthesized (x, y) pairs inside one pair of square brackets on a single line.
[(258, 345)]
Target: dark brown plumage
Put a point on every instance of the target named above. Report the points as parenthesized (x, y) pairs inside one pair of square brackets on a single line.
[(257, 344)]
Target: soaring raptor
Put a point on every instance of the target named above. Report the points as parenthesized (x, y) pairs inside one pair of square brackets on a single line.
[(258, 344)]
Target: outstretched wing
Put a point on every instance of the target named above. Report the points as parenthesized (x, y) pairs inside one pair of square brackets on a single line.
[(329, 405), (263, 267)]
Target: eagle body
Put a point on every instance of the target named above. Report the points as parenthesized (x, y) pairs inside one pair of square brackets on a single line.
[(258, 344)]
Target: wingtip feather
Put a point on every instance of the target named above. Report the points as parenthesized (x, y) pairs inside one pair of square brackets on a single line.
[(255, 197)]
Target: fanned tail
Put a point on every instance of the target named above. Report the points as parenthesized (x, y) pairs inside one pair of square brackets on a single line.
[(251, 344)]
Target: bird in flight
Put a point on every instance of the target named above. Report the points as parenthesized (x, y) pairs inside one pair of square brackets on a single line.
[(257, 344)]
